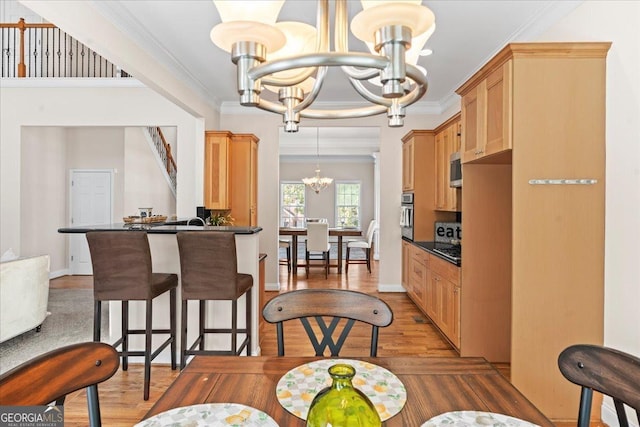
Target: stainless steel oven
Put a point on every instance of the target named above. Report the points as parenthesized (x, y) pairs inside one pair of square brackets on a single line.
[(406, 216)]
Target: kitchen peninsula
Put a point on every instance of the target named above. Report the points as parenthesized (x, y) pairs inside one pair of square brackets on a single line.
[(165, 258)]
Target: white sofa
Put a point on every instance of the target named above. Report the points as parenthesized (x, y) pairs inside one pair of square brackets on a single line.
[(24, 294)]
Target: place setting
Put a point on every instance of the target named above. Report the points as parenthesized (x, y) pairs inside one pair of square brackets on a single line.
[(211, 415)]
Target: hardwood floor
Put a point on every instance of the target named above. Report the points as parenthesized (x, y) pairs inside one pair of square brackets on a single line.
[(410, 334)]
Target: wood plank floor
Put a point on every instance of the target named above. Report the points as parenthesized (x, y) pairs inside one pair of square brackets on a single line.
[(410, 334)]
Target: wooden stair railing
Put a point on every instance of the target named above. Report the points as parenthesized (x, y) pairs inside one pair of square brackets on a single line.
[(164, 150), (44, 50)]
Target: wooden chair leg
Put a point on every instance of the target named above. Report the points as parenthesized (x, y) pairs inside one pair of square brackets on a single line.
[(368, 254), (201, 322), (306, 267), (325, 258), (248, 322), (147, 348), (97, 320), (289, 259), (234, 327), (346, 263), (183, 336), (125, 335), (173, 325)]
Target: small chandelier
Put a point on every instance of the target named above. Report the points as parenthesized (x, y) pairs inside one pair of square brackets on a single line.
[(293, 57), (317, 183)]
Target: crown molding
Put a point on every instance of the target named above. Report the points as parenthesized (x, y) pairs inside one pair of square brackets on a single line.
[(129, 24), (343, 158)]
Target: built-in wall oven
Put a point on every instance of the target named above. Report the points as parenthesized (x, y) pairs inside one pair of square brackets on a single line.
[(406, 216)]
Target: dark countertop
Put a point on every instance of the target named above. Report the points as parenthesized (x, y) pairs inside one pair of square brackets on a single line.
[(160, 228), (429, 246)]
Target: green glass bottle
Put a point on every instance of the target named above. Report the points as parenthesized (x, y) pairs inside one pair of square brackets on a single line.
[(342, 405)]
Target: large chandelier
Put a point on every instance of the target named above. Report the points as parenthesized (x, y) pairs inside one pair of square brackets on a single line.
[(294, 57), (316, 183)]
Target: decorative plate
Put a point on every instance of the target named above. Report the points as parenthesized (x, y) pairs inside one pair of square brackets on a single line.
[(297, 388), (475, 419), (211, 415)]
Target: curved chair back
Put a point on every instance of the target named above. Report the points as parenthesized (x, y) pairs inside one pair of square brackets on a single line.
[(51, 376), (605, 370), (317, 236), (336, 304), (373, 226)]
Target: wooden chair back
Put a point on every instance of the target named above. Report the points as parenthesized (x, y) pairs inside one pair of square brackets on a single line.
[(317, 237), (51, 376), (605, 370), (324, 304)]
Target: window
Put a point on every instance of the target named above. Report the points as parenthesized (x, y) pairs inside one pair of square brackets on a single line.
[(292, 204), (348, 204)]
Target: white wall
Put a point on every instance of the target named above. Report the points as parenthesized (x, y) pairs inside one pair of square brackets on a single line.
[(144, 183), (322, 205), (71, 107), (617, 21)]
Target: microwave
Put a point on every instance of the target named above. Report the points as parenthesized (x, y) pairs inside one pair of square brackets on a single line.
[(455, 170)]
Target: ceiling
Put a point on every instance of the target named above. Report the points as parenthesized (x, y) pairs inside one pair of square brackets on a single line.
[(176, 34)]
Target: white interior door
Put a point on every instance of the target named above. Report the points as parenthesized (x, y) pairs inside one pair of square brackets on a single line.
[(91, 196)]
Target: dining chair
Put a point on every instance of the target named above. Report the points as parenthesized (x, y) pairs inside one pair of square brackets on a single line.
[(340, 306), (51, 376), (605, 370), (365, 245), (122, 271), (286, 245), (318, 242)]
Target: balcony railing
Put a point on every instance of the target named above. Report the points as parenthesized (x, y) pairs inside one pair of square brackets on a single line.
[(44, 50), (164, 151)]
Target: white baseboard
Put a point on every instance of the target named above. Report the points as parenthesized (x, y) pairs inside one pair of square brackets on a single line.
[(59, 273), (391, 288), (272, 287)]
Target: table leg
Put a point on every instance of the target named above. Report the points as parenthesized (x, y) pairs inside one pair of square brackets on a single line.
[(339, 254), (294, 254)]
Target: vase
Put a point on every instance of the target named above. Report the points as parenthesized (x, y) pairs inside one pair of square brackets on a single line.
[(342, 405)]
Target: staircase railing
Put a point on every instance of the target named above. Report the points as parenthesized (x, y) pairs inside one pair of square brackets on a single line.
[(44, 50), (164, 151)]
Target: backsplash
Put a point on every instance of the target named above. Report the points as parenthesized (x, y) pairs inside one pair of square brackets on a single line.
[(445, 232)]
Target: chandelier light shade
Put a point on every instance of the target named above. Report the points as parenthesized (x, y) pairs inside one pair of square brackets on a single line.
[(292, 58), (317, 183)]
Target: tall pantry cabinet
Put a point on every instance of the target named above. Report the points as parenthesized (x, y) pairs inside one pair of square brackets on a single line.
[(533, 143), (231, 175)]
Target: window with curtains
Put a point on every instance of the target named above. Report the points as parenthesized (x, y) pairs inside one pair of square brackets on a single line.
[(292, 204), (348, 204)]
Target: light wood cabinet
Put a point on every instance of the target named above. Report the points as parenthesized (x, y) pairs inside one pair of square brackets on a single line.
[(487, 114), (231, 175), (406, 254), (216, 170), (533, 268), (419, 169), (447, 142)]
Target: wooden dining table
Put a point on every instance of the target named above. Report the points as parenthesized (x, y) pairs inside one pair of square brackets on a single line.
[(433, 386), (339, 232)]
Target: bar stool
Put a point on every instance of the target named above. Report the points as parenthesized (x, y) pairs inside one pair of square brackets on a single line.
[(209, 272), (122, 272)]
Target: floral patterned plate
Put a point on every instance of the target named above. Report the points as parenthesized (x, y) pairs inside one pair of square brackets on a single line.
[(297, 388), (475, 419), (211, 415)]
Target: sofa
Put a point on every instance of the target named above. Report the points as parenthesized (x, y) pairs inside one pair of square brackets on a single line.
[(24, 294)]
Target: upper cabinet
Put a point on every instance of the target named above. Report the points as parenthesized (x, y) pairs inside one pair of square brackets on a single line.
[(231, 175), (408, 155), (487, 114), (447, 142)]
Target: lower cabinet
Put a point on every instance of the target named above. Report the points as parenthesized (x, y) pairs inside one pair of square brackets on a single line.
[(433, 284)]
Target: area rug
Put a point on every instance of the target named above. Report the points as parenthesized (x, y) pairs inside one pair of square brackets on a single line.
[(70, 322)]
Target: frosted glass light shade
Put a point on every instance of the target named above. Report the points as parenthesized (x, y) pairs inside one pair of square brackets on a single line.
[(248, 20), (265, 11), (381, 14)]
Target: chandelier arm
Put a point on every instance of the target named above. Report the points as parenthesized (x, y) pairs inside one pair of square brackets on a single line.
[(352, 113), (331, 59), (315, 91), (360, 73), (340, 33), (366, 93)]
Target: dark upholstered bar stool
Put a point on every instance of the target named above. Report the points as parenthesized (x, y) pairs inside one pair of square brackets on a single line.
[(122, 272), (209, 272)]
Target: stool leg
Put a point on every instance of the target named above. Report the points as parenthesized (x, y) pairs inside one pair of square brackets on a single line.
[(368, 253), (234, 327), (172, 322), (201, 322), (346, 264), (97, 320), (183, 336), (289, 259), (147, 348), (125, 335), (248, 320)]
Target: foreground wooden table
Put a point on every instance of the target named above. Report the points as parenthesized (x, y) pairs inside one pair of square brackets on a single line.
[(434, 386), (294, 232)]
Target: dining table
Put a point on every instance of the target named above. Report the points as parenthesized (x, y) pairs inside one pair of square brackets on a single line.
[(338, 232), (434, 386)]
